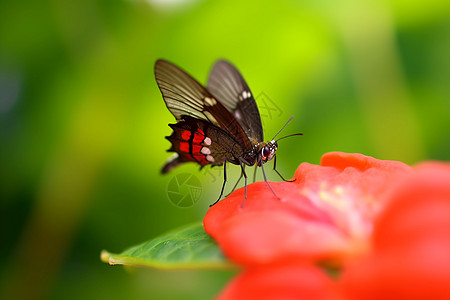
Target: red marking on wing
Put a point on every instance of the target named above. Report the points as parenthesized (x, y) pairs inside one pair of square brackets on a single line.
[(195, 143), (201, 158), (186, 135), (196, 149), (184, 146), (199, 136)]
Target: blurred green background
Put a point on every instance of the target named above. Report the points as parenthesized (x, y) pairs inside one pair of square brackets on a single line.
[(82, 122)]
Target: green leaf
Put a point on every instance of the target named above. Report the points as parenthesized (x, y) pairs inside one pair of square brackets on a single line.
[(188, 247)]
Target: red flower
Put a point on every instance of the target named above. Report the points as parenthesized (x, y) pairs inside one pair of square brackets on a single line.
[(386, 225), (326, 213)]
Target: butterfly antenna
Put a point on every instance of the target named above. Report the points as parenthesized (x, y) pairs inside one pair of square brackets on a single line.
[(282, 127), (289, 136)]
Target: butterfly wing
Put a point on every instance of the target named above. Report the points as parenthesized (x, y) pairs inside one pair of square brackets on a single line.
[(229, 87), (185, 96), (201, 142)]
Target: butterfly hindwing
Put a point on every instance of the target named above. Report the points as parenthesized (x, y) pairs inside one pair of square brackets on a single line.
[(229, 87), (196, 140), (185, 96)]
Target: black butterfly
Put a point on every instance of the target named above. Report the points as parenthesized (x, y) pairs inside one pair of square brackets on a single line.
[(216, 124)]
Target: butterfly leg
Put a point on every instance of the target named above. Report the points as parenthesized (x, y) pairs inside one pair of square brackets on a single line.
[(254, 174), (265, 179), (245, 178), (275, 169), (237, 182), (224, 181)]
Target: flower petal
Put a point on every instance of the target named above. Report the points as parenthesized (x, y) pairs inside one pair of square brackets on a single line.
[(263, 236), (285, 282), (419, 209)]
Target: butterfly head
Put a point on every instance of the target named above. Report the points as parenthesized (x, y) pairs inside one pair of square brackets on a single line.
[(268, 151)]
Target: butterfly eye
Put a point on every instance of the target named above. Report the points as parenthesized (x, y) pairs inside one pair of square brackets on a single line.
[(265, 151)]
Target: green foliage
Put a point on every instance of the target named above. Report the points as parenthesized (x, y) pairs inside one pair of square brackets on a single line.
[(188, 247)]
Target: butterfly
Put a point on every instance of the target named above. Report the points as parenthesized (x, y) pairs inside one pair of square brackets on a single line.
[(216, 124)]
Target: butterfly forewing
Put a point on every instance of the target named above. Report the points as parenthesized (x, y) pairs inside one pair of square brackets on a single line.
[(185, 96), (229, 87)]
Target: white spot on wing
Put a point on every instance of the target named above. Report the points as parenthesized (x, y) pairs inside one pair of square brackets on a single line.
[(210, 101), (207, 141), (205, 151), (210, 158), (246, 95)]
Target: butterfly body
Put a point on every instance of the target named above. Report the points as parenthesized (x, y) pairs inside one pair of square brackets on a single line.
[(216, 124)]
